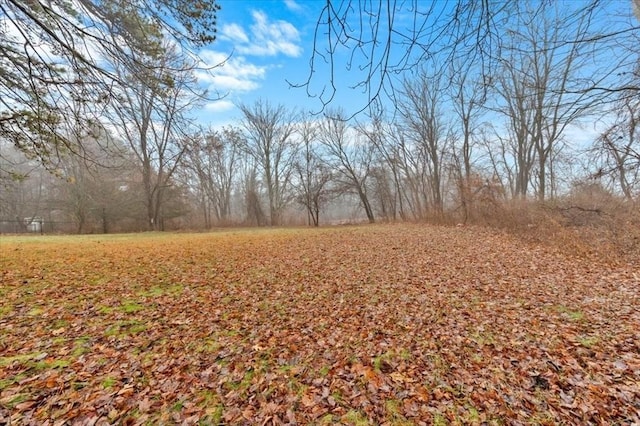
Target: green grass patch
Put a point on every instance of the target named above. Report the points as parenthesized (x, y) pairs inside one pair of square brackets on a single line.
[(130, 307), (17, 399), (379, 361), (86, 238), (337, 396), (588, 342), (5, 361), (124, 328), (105, 310), (98, 280), (213, 408), (59, 323), (392, 406), (108, 382), (439, 420), (35, 312), (81, 346), (213, 415), (483, 338), (328, 419), (52, 364), (243, 384), (298, 388), (153, 292), (472, 416), (355, 418), (158, 290), (573, 315), (34, 360), (8, 381), (404, 354)]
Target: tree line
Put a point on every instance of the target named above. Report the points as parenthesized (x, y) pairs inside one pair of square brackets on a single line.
[(113, 145)]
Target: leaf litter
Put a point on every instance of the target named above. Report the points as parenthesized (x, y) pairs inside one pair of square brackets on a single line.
[(387, 324)]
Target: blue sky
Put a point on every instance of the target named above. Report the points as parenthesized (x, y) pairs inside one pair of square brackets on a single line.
[(268, 43)]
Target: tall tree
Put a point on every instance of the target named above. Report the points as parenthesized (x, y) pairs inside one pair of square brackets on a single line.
[(312, 173), (618, 148), (153, 116), (468, 96), (22, 189), (349, 158), (540, 92), (213, 156), (422, 113), (388, 174), (269, 133), (252, 189)]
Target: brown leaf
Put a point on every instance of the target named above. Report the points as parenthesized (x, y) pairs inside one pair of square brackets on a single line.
[(144, 405)]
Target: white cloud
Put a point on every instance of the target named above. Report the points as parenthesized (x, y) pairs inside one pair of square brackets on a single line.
[(234, 33), (292, 5), (235, 73), (271, 38), (219, 106), (581, 134)]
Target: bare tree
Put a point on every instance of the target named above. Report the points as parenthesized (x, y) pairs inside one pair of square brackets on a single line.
[(383, 190), (388, 175), (313, 174), (422, 113), (619, 147), (269, 140), (540, 93), (152, 114), (93, 194), (213, 156), (252, 190), (406, 189), (22, 188), (468, 96), (348, 157)]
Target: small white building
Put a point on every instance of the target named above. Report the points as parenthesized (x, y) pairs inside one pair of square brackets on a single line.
[(34, 224)]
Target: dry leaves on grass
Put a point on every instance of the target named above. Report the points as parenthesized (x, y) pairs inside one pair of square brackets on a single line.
[(370, 325)]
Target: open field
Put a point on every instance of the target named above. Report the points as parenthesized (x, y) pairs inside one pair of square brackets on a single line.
[(394, 325)]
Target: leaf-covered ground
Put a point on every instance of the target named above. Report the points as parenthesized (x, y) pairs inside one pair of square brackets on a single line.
[(386, 325)]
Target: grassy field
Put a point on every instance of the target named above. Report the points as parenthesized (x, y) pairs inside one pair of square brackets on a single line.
[(388, 325)]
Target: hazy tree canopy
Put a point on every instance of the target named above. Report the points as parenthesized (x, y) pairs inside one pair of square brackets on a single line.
[(53, 54)]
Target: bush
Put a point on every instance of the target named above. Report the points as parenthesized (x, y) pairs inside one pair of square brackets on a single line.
[(589, 221)]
